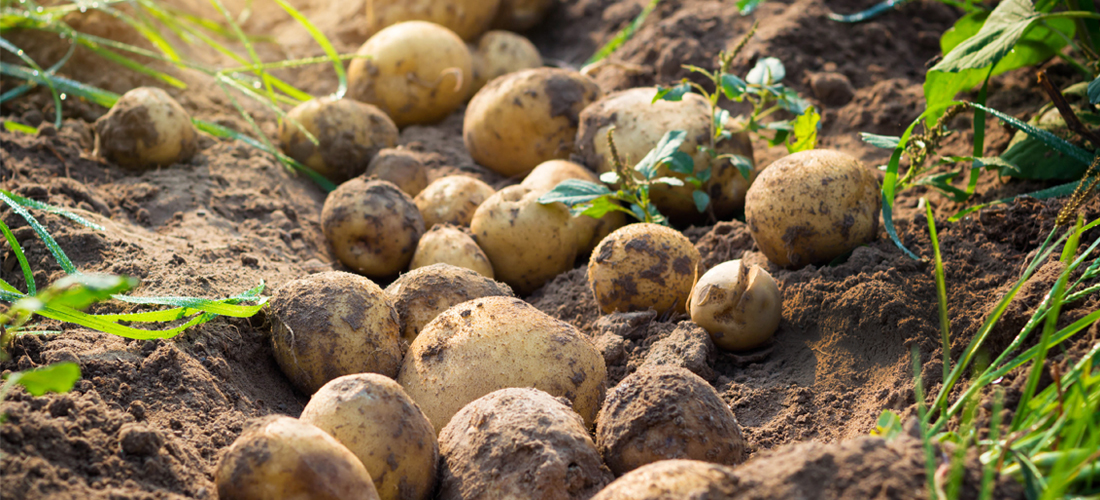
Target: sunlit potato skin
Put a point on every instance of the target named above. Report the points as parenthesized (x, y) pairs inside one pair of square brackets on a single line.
[(402, 167), (372, 225), (452, 200), (424, 293), (146, 128), (588, 230), (467, 18), (739, 306), (674, 480), (499, 53), (643, 266), (447, 244), (349, 134)]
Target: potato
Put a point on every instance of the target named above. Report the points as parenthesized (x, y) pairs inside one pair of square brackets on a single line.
[(499, 53), (447, 244), (417, 72), (493, 343), (528, 243), (812, 207), (589, 230), (674, 480), (373, 417), (145, 128), (331, 324), (643, 266), (452, 200), (372, 225), (422, 294), (520, 15), (739, 306), (639, 126), (405, 168), (349, 133), (665, 412), (519, 443), (281, 458), (467, 18), (525, 118)]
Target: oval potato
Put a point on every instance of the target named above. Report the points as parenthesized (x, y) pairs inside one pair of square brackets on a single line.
[(372, 225), (739, 306), (145, 128), (643, 266), (452, 200), (349, 134), (447, 244), (422, 294)]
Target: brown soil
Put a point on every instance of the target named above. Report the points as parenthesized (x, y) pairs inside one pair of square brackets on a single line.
[(150, 419)]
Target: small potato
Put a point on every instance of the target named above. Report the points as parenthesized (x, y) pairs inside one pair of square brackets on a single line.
[(499, 53), (528, 243), (372, 225), (812, 207), (452, 200), (407, 169), (643, 266), (589, 231), (675, 480), (664, 412), (447, 244), (331, 324), (282, 458), (373, 417), (422, 294), (520, 15), (525, 118), (467, 18), (492, 343), (417, 72), (519, 443), (349, 133), (739, 306), (146, 128)]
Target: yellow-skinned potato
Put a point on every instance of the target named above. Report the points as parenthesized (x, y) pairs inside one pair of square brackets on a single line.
[(643, 266), (467, 18), (417, 72), (349, 134), (452, 200), (145, 128), (739, 306), (524, 118), (674, 480), (812, 207), (402, 167), (589, 231), (373, 417), (528, 243), (493, 343), (501, 52), (372, 225), (520, 15), (422, 294), (447, 244), (282, 458)]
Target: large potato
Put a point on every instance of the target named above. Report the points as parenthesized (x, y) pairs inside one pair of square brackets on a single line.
[(675, 480), (520, 15), (447, 244), (492, 343), (417, 72), (145, 128), (282, 458), (499, 53), (588, 230), (525, 118), (467, 18), (373, 417), (372, 225), (740, 307), (349, 133), (331, 324), (452, 200), (422, 294), (519, 443), (407, 169), (643, 266), (812, 207)]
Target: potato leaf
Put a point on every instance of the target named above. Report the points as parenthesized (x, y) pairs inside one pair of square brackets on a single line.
[(671, 181), (746, 7), (805, 131), (1005, 25), (880, 141), (574, 192), (680, 162), (1094, 91), (662, 153), (600, 207), (58, 377), (701, 200), (733, 87), (610, 177), (743, 164), (767, 71), (674, 94)]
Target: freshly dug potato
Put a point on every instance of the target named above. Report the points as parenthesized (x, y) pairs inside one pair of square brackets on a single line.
[(280, 458), (639, 126), (373, 417), (452, 200), (447, 244), (739, 306), (499, 53), (589, 230), (528, 243), (349, 133), (674, 480), (417, 72), (643, 266), (467, 18), (403, 167), (146, 128), (422, 294), (525, 118), (665, 412), (539, 448), (372, 225), (331, 324), (520, 15), (812, 207), (493, 343)]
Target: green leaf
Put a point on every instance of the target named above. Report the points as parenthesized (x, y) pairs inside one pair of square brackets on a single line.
[(768, 70), (1033, 159), (673, 94), (1094, 91), (791, 101), (28, 274), (1051, 140), (701, 200), (601, 207), (574, 192), (680, 162), (11, 126), (805, 131), (746, 7), (743, 164), (888, 425), (733, 86), (880, 141), (942, 182), (330, 51), (58, 377), (662, 153), (704, 175), (671, 181), (1005, 25), (79, 291)]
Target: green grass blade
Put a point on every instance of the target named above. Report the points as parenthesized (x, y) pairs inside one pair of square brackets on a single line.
[(941, 292), (20, 90), (51, 244), (989, 468), (28, 275), (341, 76), (11, 126), (9, 291), (623, 35), (69, 315), (37, 70), (248, 47), (1054, 142), (29, 203), (133, 65), (146, 30), (101, 97)]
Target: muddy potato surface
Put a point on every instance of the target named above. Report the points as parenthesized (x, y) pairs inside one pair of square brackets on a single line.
[(674, 480), (422, 294), (372, 225), (467, 18), (520, 15), (492, 343), (403, 167), (643, 266), (501, 52), (452, 200), (447, 244), (282, 458), (589, 230), (371, 415), (349, 134), (738, 305), (331, 324), (519, 443), (525, 118), (812, 207), (145, 128)]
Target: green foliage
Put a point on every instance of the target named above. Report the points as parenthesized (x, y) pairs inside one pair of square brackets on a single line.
[(623, 35), (1094, 91), (11, 126), (58, 377)]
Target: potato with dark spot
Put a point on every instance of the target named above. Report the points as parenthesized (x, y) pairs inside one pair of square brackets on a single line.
[(520, 15), (675, 480), (812, 207), (525, 118), (493, 343), (349, 133), (403, 167), (467, 18), (282, 458), (145, 128), (665, 412), (452, 200), (422, 294), (519, 443), (331, 324), (499, 53), (589, 230), (447, 244), (373, 417), (372, 225), (739, 306), (643, 266)]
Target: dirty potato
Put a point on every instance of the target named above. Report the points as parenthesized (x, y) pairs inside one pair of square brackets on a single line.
[(674, 480), (739, 306), (422, 294), (349, 134), (447, 244), (520, 15), (452, 200), (372, 225), (405, 168), (643, 266), (589, 231), (145, 128), (501, 52), (467, 18)]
